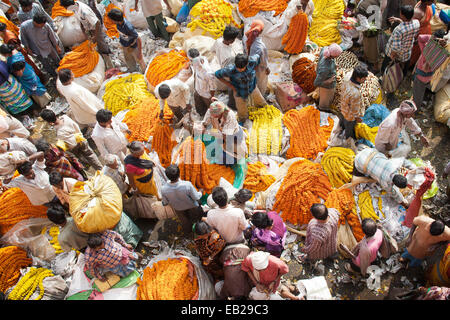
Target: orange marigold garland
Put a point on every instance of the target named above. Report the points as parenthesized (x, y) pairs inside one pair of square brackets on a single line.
[(168, 280), (10, 25), (257, 178), (304, 184), (12, 259), (81, 60), (295, 37), (165, 66), (111, 27), (163, 143), (304, 74), (250, 8), (308, 138), (59, 11)]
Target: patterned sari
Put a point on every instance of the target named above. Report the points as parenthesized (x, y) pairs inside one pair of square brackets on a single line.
[(142, 168), (208, 247), (440, 273), (68, 166)]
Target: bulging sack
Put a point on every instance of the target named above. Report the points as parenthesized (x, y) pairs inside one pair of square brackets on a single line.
[(94, 79), (69, 31), (96, 204)]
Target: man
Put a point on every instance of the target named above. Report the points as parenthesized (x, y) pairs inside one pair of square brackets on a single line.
[(402, 39), (389, 130), (39, 39), (371, 163), (427, 233), (11, 127), (27, 10), (69, 132), (321, 233), (92, 26), (242, 81), (34, 181), (177, 95), (351, 106), (62, 186), (254, 45), (9, 160), (228, 221), (83, 103), (204, 81), (183, 198), (18, 144), (70, 237), (115, 170), (108, 135), (130, 41), (152, 10)]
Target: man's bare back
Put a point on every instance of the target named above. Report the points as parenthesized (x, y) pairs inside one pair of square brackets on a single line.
[(422, 242)]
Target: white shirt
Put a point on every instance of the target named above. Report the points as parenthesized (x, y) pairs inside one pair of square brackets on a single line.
[(66, 130), (226, 52), (85, 15), (151, 7), (11, 126), (204, 79), (179, 95), (229, 222), (8, 161), (116, 175), (38, 190), (110, 140), (21, 144)]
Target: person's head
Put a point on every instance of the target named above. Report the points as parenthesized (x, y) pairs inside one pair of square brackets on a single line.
[(56, 179), (115, 15), (259, 259), (400, 181), (65, 76), (111, 161), (66, 3), (406, 12), (164, 91), (48, 116), (2, 27), (217, 108), (256, 28), (201, 228), (261, 220), (104, 117), (332, 51), (173, 172), (26, 169), (427, 2), (360, 73), (193, 53), (439, 34), (319, 211), (351, 5), (220, 196), (136, 148), (26, 5), (304, 2), (57, 214), (369, 227), (4, 145), (42, 145), (407, 108), (230, 34), (6, 50), (241, 62), (18, 68), (437, 227), (39, 20), (243, 195), (95, 241)]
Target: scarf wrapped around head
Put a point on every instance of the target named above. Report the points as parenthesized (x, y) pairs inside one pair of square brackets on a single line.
[(257, 25), (217, 108), (407, 108), (260, 260), (333, 50)]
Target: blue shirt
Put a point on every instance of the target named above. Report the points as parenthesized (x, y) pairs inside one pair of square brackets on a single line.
[(244, 82), (29, 80), (181, 195), (128, 34)]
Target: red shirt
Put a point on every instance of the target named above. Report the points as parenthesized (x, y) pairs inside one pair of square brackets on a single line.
[(276, 267)]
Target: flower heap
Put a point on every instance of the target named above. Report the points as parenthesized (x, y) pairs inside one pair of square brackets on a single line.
[(12, 259), (257, 178), (338, 164), (267, 132), (166, 66), (28, 284)]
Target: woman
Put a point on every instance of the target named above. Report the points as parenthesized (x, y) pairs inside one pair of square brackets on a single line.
[(269, 232), (241, 200), (422, 12), (139, 169), (209, 244), (58, 160), (12, 96), (439, 275)]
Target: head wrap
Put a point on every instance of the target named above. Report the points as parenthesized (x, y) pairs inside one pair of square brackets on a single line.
[(332, 51), (217, 108), (110, 158), (406, 108), (257, 25), (260, 260)]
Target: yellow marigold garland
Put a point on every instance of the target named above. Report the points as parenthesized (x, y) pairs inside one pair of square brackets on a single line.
[(323, 30), (338, 164), (53, 232), (28, 284), (366, 208), (267, 132), (257, 178), (363, 131), (12, 259)]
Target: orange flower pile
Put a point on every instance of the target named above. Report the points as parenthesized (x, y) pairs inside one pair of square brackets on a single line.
[(302, 186), (194, 166), (250, 8), (308, 138), (81, 60), (295, 37), (343, 201), (59, 11), (163, 143), (257, 178), (15, 206), (168, 280), (142, 127), (166, 66), (111, 27), (10, 25), (12, 259), (304, 74)]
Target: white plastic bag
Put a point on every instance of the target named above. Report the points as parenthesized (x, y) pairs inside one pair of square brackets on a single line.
[(136, 18), (55, 288), (79, 280), (316, 288), (64, 264), (93, 80), (69, 31)]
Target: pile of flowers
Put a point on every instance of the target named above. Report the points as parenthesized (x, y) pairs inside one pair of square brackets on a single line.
[(12, 259)]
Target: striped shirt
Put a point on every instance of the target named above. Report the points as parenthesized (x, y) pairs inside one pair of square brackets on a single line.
[(321, 238), (402, 40)]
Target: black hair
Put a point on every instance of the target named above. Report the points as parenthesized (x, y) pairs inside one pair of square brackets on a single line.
[(164, 91), (64, 75), (360, 71), (220, 196), (55, 178), (202, 228), (17, 66), (115, 15), (135, 146), (173, 172), (39, 18), (351, 5), (48, 115), (42, 145), (400, 181), (25, 3), (241, 60), (230, 33), (437, 227), (193, 53), (2, 26), (407, 11), (24, 168), (261, 220), (319, 211), (94, 240), (103, 116), (56, 214), (243, 195), (66, 3), (369, 227), (439, 34), (6, 48)]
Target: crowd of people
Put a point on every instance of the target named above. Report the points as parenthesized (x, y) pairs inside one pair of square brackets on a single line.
[(239, 245)]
